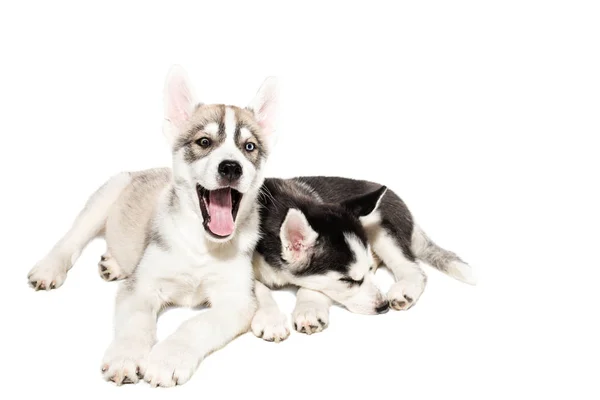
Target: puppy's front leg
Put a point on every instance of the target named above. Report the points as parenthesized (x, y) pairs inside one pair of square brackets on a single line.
[(174, 360), (311, 314), (269, 322), (135, 332)]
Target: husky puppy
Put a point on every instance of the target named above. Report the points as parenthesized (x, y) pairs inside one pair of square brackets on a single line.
[(184, 237), (325, 235)]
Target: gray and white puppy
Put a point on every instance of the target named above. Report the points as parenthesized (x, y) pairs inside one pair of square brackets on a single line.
[(325, 235), (183, 236)]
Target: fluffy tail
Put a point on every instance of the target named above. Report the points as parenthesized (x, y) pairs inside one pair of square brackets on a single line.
[(446, 261)]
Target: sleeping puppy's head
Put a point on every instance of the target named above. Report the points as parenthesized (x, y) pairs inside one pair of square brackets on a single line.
[(325, 248)]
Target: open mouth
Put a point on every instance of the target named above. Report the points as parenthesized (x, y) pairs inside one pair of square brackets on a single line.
[(219, 209)]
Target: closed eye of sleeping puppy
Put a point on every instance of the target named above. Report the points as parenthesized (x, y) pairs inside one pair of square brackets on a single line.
[(327, 235)]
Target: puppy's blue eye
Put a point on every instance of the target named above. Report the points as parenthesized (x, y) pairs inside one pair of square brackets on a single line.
[(250, 147), (203, 142)]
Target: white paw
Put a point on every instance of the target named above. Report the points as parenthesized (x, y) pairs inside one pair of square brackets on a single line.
[(405, 293), (50, 273), (109, 269), (124, 361), (270, 324), (310, 318), (171, 362)]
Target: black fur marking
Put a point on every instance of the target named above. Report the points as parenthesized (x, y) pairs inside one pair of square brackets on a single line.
[(173, 199), (221, 131), (156, 238), (364, 204), (331, 222), (396, 219)]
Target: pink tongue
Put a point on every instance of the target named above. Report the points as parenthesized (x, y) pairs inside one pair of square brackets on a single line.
[(219, 209)]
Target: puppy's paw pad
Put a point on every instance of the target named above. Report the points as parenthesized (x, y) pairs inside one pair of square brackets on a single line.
[(310, 319), (109, 269), (171, 363), (124, 362), (270, 325), (47, 274), (404, 294)]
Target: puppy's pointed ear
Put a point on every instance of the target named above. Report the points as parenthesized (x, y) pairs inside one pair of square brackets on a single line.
[(297, 236), (365, 204), (178, 102), (265, 106)]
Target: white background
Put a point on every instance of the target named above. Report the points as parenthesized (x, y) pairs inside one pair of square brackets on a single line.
[(483, 116)]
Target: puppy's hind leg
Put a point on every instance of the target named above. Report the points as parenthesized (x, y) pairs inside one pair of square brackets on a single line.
[(410, 278), (51, 271)]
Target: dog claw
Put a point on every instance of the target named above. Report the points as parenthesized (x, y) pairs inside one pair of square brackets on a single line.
[(103, 268)]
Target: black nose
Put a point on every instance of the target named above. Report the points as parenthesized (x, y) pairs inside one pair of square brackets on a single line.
[(383, 308), (231, 170)]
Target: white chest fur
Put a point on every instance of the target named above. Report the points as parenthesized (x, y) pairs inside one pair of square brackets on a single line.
[(184, 267)]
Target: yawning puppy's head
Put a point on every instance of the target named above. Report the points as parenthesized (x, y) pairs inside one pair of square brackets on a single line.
[(325, 248), (218, 151)]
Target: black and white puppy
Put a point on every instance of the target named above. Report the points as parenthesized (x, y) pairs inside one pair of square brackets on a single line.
[(325, 235)]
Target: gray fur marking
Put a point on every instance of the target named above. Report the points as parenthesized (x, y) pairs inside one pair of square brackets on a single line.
[(433, 254)]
